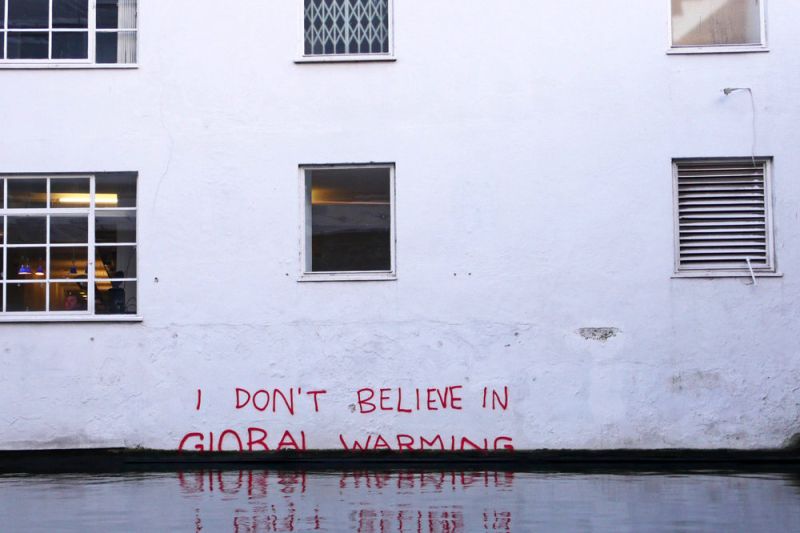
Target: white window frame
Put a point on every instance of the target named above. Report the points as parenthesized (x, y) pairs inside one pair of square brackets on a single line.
[(305, 228), (88, 63), (302, 57), (719, 48), (65, 316), (763, 272)]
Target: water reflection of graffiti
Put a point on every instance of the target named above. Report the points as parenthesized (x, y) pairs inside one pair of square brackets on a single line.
[(372, 502)]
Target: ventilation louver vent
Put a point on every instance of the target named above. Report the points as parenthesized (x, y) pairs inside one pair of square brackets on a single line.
[(723, 215)]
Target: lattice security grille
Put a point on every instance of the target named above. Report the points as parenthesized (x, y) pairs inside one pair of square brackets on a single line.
[(723, 215), (346, 27)]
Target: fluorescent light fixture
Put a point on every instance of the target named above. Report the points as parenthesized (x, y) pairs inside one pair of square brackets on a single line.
[(83, 199)]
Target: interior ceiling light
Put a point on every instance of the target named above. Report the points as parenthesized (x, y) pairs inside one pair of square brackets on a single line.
[(82, 199)]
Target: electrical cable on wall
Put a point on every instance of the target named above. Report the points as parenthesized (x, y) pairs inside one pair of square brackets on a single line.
[(727, 91)]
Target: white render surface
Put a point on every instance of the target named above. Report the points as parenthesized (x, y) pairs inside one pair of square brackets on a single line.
[(533, 145)]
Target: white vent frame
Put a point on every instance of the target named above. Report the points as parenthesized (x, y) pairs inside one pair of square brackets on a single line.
[(769, 269)]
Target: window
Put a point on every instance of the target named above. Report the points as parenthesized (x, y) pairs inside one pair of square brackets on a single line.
[(349, 222), (723, 221), (734, 25), (67, 31), (68, 245), (347, 29)]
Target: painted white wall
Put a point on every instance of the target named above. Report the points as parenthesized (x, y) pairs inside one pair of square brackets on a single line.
[(532, 142)]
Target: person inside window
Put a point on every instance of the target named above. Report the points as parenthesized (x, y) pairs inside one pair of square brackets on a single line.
[(116, 295)]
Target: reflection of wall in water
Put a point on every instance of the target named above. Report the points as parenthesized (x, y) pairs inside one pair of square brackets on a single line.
[(298, 501)]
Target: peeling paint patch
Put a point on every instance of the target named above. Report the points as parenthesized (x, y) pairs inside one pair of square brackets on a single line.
[(598, 334), (696, 380)]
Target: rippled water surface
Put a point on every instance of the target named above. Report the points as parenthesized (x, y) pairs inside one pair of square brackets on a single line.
[(264, 501)]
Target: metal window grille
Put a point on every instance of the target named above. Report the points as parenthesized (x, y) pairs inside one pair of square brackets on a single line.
[(723, 220), (346, 27)]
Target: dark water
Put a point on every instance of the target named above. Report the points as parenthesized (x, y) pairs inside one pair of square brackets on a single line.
[(265, 501)]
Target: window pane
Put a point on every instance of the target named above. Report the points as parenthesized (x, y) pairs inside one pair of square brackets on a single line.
[(28, 13), (69, 230), (115, 227), (115, 262), (107, 14), (70, 14), (70, 45), (25, 297), (68, 263), (716, 22), (351, 220), (115, 297), (106, 47), (24, 193), (27, 230), (69, 192), (26, 263), (2, 45), (30, 45), (68, 296), (116, 47), (118, 190), (2, 14), (113, 14)]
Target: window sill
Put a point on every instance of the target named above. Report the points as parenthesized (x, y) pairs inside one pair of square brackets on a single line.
[(347, 276), (721, 274), (67, 66), (374, 58), (689, 50), (33, 319)]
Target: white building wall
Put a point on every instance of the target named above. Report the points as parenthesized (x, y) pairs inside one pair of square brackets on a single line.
[(533, 145)]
